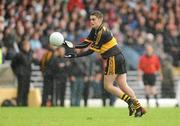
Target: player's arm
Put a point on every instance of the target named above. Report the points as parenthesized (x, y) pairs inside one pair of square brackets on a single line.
[(74, 55), (85, 53), (86, 41), (82, 45)]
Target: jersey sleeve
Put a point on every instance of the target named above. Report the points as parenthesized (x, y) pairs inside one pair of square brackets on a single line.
[(86, 41), (82, 45), (85, 53)]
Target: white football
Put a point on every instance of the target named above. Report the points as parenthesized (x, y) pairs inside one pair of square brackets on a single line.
[(56, 39)]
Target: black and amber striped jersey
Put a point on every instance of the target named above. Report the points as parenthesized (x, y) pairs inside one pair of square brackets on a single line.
[(102, 41)]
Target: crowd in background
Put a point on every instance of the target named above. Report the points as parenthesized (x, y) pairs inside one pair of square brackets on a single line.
[(133, 23)]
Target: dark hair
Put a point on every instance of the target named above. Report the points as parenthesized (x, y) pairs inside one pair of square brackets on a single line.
[(97, 13)]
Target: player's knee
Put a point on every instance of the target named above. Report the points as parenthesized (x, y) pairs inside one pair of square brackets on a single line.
[(123, 85), (107, 87)]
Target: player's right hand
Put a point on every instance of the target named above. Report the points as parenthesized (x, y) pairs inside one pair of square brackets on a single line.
[(71, 55)]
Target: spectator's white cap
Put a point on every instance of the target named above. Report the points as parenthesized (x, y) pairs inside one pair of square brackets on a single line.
[(150, 37)]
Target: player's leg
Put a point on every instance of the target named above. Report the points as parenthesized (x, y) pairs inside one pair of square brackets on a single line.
[(115, 65), (108, 85), (121, 79)]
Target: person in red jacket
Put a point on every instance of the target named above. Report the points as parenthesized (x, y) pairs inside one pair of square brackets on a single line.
[(149, 65), (73, 4)]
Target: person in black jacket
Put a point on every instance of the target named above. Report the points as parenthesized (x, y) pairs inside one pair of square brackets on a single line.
[(89, 76), (60, 76), (77, 80), (21, 67)]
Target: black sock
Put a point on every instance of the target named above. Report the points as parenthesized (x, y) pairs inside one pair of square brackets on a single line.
[(147, 99)]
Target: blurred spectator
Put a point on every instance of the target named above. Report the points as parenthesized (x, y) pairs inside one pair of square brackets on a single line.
[(46, 68), (35, 42), (148, 67), (60, 76), (158, 45), (20, 31), (172, 43), (167, 88), (98, 77), (130, 21), (88, 79), (8, 42), (21, 67), (77, 80), (74, 4)]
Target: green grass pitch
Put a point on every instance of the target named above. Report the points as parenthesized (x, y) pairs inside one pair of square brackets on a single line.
[(87, 117)]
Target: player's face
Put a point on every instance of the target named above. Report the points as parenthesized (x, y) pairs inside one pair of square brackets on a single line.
[(95, 22)]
